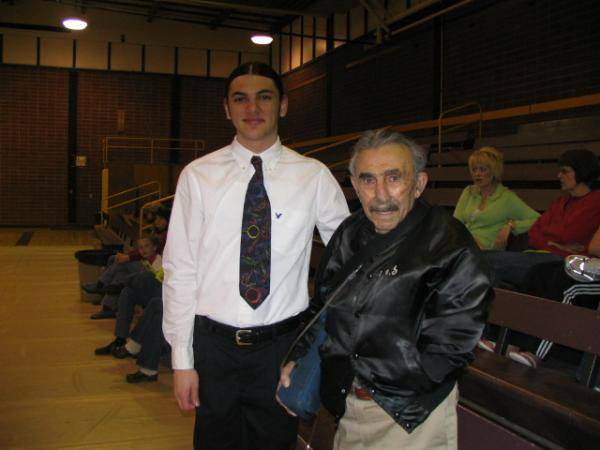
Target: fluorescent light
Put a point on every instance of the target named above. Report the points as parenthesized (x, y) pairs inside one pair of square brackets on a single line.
[(74, 23), (261, 39)]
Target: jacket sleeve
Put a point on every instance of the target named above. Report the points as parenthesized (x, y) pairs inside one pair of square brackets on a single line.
[(455, 315), (325, 272)]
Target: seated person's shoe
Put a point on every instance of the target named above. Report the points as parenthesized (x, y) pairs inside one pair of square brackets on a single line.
[(104, 313), (487, 345), (583, 268), (107, 349), (121, 352), (139, 377), (93, 288), (526, 358)]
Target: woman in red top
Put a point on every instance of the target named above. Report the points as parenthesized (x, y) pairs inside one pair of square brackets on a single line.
[(565, 228), (570, 222)]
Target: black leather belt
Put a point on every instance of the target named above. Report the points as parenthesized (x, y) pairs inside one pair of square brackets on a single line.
[(250, 336)]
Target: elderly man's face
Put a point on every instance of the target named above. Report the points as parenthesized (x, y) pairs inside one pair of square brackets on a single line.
[(387, 185)]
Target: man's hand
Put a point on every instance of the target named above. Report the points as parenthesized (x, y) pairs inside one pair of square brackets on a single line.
[(121, 258), (285, 380), (186, 385)]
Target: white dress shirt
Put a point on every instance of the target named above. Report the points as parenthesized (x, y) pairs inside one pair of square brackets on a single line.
[(201, 259)]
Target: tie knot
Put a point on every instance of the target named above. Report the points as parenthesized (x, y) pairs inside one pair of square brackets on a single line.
[(257, 163)]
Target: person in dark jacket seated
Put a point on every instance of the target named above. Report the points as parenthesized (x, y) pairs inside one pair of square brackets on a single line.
[(405, 325)]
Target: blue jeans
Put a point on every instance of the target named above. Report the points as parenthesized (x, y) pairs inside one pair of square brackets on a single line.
[(510, 268)]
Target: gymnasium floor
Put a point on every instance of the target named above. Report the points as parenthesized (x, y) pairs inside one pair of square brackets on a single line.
[(54, 392)]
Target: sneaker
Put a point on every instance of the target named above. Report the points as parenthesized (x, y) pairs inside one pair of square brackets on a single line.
[(107, 349), (583, 268), (139, 377), (487, 345), (526, 358)]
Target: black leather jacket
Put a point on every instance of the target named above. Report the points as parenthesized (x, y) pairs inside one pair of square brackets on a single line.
[(407, 323)]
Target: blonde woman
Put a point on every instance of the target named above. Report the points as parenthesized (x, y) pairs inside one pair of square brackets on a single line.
[(489, 210)]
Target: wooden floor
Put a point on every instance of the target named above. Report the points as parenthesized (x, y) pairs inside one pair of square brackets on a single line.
[(54, 392)]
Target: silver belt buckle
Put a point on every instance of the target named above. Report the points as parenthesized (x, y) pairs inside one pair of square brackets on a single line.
[(239, 335)]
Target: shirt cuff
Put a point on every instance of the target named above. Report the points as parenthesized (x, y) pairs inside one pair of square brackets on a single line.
[(182, 357)]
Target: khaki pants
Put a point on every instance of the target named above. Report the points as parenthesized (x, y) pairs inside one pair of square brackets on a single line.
[(366, 426)]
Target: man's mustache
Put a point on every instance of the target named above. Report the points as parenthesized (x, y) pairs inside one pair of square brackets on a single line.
[(380, 206)]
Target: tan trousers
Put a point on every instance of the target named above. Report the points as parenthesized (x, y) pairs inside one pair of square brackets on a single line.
[(366, 426)]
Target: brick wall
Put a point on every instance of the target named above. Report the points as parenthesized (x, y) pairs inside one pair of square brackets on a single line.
[(145, 100), (500, 54), (307, 97), (202, 113), (33, 146), (34, 125)]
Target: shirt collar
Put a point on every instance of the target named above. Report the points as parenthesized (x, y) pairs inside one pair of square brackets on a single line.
[(269, 157)]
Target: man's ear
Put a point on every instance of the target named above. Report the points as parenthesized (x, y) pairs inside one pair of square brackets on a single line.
[(421, 183), (283, 106), (226, 109)]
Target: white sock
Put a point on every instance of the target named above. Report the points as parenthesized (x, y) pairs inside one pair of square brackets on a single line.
[(133, 347), (148, 372)]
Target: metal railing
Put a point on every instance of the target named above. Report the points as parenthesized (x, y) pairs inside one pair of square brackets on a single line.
[(457, 108), (151, 145), (145, 206), (135, 199)]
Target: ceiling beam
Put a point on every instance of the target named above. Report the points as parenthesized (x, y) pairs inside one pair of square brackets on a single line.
[(246, 8)]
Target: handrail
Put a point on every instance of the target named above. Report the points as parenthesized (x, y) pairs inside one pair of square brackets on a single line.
[(146, 206), (151, 144), (133, 200), (340, 142), (135, 188), (457, 108)]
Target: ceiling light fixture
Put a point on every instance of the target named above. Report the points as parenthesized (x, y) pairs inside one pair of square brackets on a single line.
[(261, 39), (74, 23)]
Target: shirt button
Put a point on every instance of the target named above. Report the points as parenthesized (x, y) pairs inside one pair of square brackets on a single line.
[(370, 276), (356, 356), (343, 391), (408, 425)]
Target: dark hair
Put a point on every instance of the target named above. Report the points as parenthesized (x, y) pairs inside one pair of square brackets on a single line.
[(163, 212), (154, 240), (255, 68), (584, 163)]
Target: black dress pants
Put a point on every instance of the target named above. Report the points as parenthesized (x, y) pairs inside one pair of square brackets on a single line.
[(238, 410)]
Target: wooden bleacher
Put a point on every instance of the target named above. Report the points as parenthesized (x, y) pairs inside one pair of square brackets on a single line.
[(529, 170)]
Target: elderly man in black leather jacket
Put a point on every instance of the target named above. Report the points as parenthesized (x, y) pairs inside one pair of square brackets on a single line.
[(402, 329)]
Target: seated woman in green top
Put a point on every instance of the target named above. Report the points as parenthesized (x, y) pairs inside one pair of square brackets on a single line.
[(489, 210)]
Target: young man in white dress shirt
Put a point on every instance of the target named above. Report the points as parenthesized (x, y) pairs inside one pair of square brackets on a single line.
[(228, 330)]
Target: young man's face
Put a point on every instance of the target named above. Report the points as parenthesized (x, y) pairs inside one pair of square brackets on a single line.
[(387, 185), (254, 107)]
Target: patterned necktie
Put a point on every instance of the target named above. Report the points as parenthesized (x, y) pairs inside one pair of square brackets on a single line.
[(255, 248)]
